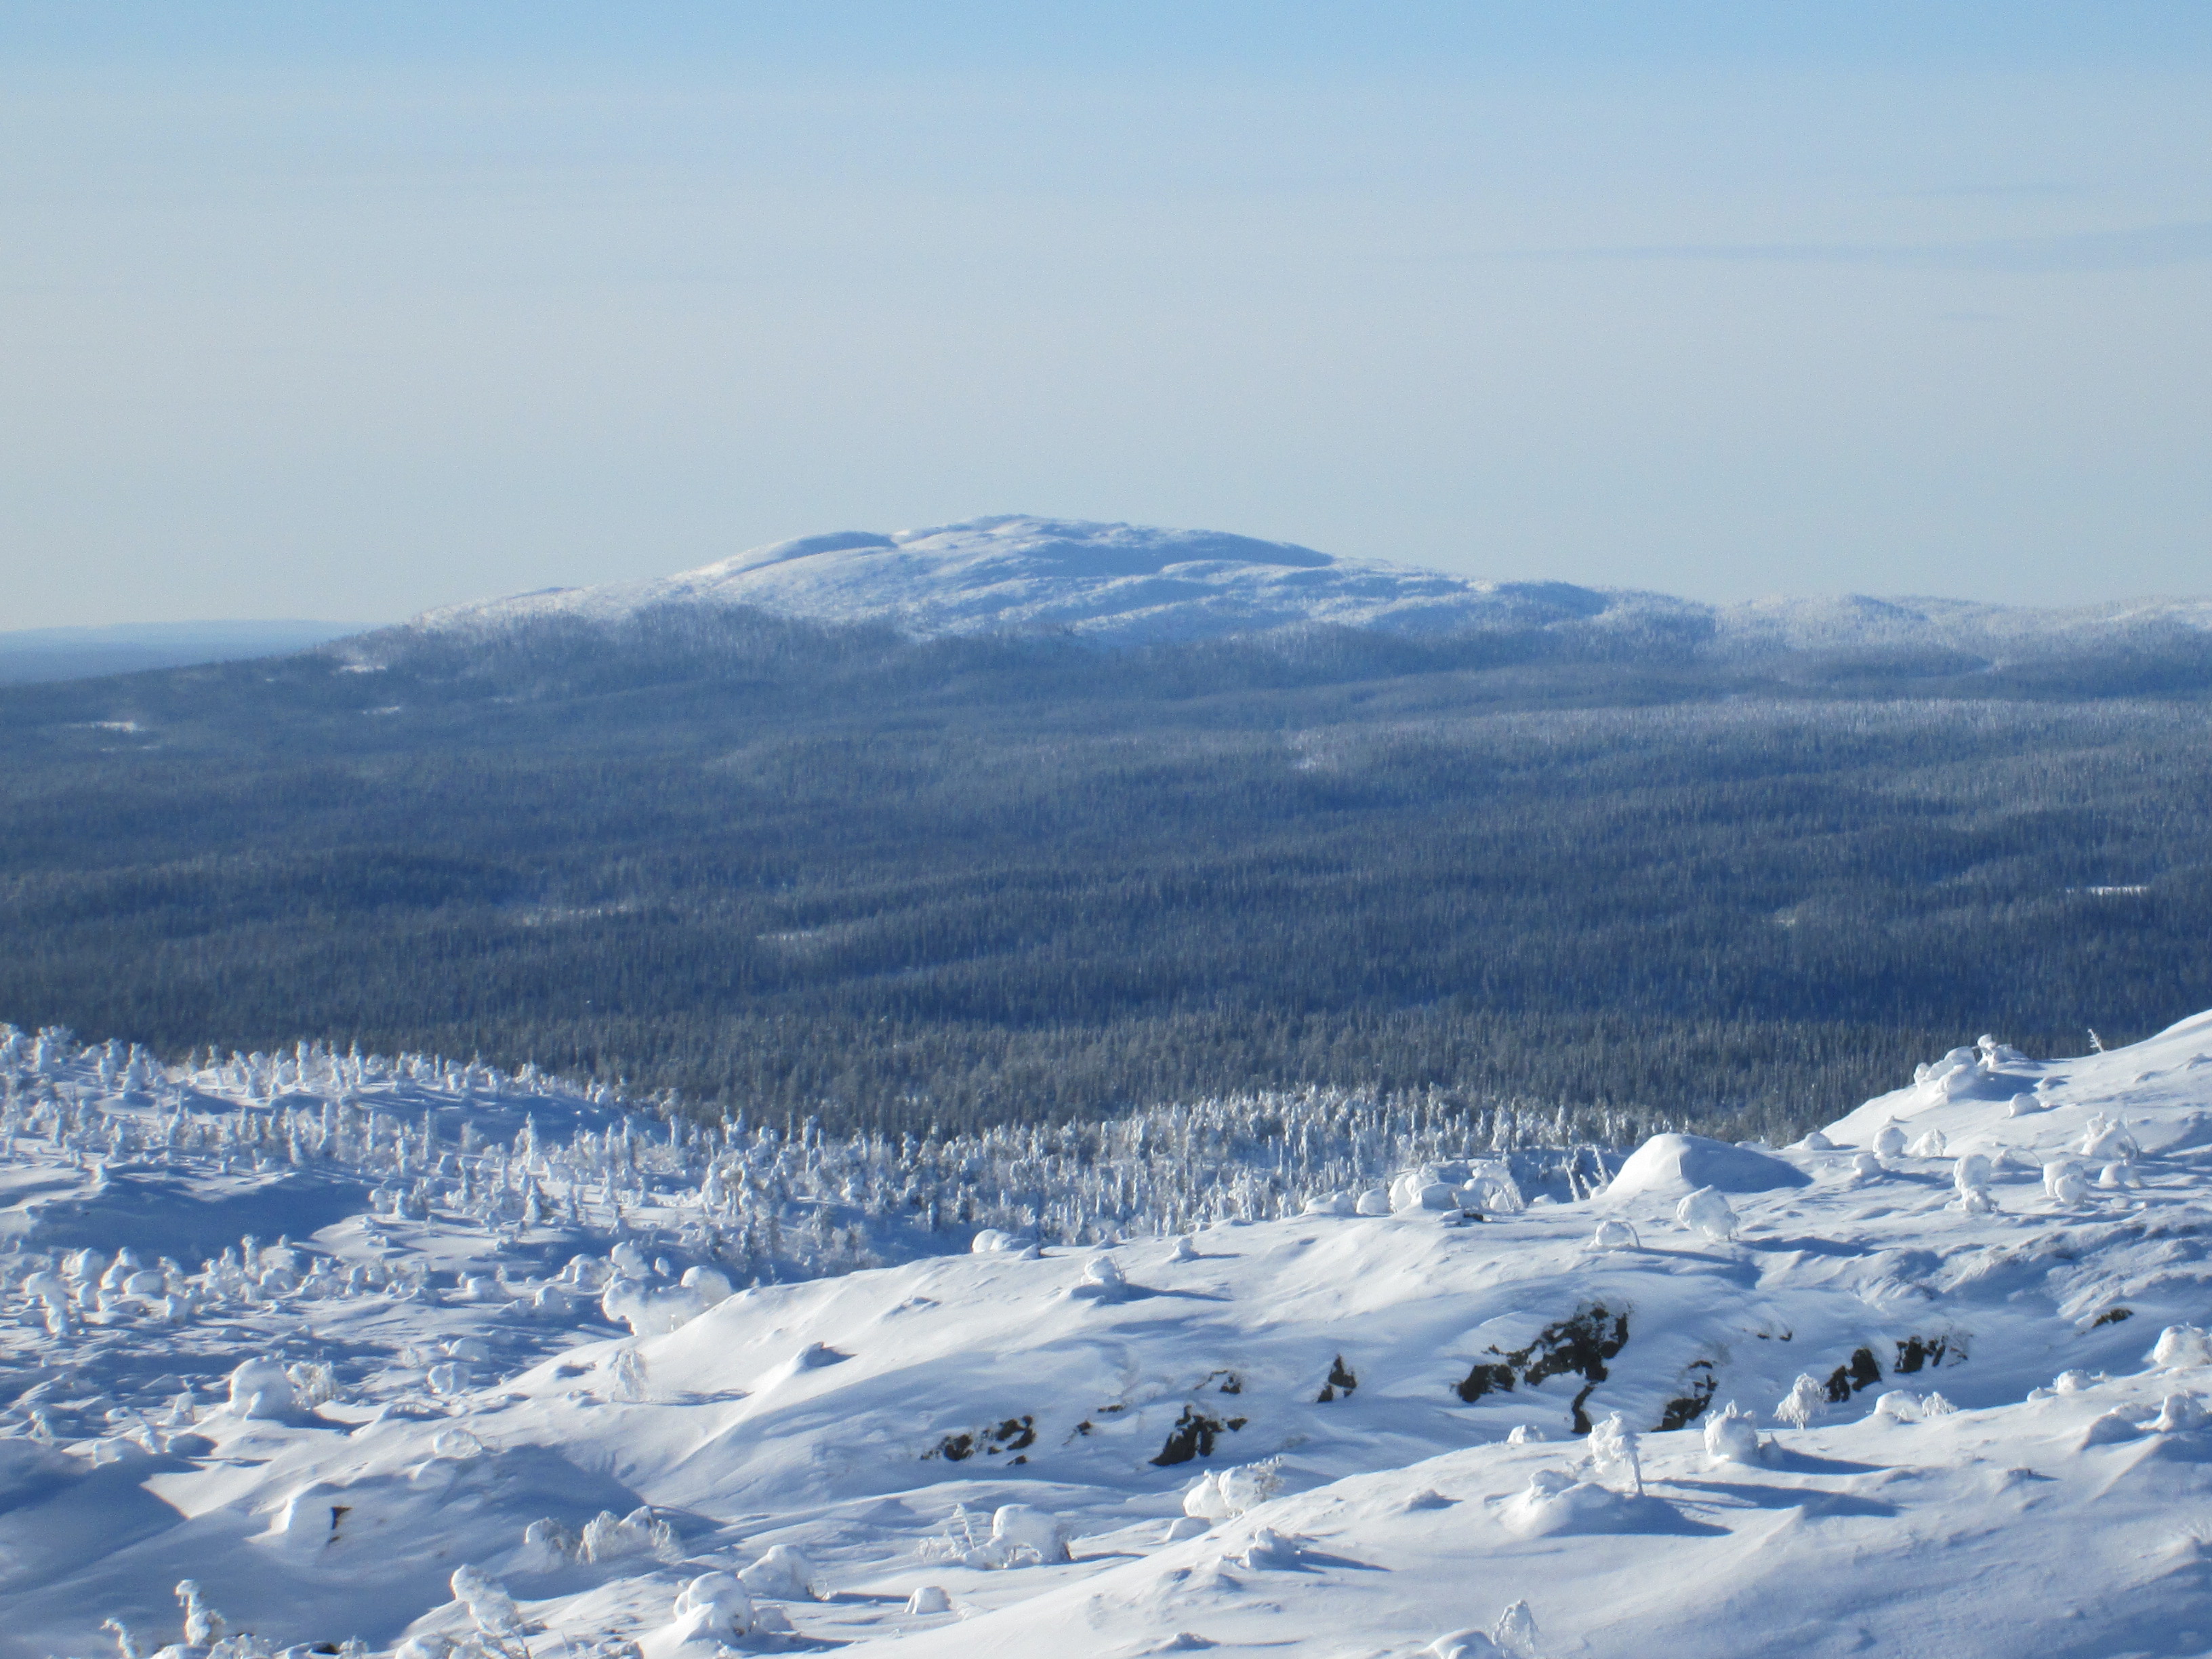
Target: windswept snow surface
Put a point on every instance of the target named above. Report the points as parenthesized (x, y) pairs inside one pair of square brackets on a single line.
[(1126, 584), (1967, 1355)]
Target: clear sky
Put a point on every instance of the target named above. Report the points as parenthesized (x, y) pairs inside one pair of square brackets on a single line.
[(347, 310)]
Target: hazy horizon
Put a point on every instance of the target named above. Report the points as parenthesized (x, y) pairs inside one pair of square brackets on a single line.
[(321, 313)]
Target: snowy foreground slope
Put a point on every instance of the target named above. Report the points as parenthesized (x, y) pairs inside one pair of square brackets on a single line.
[(1125, 584), (1929, 1384)]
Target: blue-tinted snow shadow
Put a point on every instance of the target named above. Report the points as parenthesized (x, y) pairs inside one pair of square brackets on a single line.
[(157, 1213), (1111, 1295), (1782, 1457), (1746, 1495), (1309, 1559), (1829, 1247)]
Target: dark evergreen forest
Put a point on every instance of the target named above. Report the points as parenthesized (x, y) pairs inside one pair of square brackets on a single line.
[(809, 870)]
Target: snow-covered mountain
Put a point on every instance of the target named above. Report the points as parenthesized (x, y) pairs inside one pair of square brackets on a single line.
[(1125, 583), (477, 1383), (1108, 582)]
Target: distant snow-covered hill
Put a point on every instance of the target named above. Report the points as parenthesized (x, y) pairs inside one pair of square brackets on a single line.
[(1109, 582), (1131, 583)]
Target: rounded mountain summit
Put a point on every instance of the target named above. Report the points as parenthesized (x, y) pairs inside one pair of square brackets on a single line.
[(1108, 583), (1125, 583)]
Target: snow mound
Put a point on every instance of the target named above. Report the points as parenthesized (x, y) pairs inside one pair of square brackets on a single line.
[(1675, 1166)]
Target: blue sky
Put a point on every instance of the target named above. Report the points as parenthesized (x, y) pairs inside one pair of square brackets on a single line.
[(322, 310)]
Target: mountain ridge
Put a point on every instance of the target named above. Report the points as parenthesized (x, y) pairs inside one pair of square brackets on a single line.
[(1119, 584)]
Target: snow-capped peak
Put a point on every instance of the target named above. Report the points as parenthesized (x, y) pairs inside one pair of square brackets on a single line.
[(1111, 583), (1125, 584)]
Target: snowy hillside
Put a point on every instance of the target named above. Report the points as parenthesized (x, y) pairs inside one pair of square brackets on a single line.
[(1123, 584), (1109, 582), (481, 1380)]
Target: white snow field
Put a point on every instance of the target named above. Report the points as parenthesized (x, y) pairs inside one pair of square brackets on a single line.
[(1933, 1383), (1126, 584)]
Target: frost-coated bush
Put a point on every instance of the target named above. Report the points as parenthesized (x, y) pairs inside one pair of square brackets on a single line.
[(1806, 1403), (626, 1375), (548, 1545), (1889, 1141), (1705, 1211), (2063, 1182), (927, 1598), (313, 1382), (1731, 1436), (2179, 1347), (1218, 1495), (2179, 1412), (609, 1537), (710, 1609), (1615, 1452), (1204, 1500), (262, 1388), (1515, 1632), (1898, 1406), (2103, 1141), (785, 1575), (1270, 1551), (489, 1605), (1615, 1235), (1026, 1527)]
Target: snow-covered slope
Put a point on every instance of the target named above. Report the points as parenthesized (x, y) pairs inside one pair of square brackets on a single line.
[(1121, 584), (1361, 1430), (1106, 582)]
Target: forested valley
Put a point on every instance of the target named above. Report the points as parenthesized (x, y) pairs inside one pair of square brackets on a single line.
[(810, 870)]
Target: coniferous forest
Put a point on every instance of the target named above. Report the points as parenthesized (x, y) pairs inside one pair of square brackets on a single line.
[(819, 871)]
